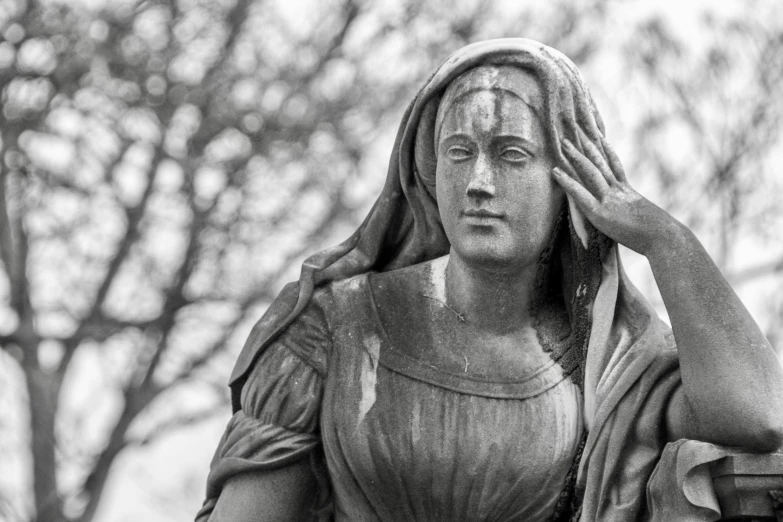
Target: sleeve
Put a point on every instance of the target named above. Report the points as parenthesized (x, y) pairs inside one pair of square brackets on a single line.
[(278, 422)]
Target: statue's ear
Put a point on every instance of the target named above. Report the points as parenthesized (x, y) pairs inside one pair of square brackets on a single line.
[(578, 220)]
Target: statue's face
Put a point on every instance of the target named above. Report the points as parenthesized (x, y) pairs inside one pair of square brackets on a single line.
[(497, 198)]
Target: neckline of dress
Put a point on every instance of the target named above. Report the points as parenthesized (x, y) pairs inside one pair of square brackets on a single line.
[(396, 360)]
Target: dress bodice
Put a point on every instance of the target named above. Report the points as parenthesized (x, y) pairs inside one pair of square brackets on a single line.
[(409, 428), (407, 439)]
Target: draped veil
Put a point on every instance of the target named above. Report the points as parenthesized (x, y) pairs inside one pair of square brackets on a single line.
[(630, 365)]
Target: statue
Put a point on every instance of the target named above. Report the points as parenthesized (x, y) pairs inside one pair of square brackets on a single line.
[(474, 351)]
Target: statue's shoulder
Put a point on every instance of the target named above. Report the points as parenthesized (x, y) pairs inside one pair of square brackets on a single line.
[(350, 301), (402, 284), (402, 280), (400, 288)]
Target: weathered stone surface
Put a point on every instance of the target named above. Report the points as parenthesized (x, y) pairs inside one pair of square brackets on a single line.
[(743, 484)]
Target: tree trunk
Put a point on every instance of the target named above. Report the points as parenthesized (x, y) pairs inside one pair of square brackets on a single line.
[(43, 390)]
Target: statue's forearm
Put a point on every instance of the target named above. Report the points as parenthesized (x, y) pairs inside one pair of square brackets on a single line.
[(732, 379), (284, 494)]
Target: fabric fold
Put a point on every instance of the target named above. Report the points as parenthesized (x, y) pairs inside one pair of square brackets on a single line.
[(249, 445), (681, 487), (280, 405)]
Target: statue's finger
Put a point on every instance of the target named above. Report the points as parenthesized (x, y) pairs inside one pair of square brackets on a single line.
[(614, 161), (594, 154), (586, 171), (584, 199)]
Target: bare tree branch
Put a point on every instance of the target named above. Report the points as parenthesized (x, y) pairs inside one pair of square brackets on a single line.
[(94, 485), (6, 242), (177, 423), (133, 217), (235, 19), (15, 249), (265, 291), (749, 274)]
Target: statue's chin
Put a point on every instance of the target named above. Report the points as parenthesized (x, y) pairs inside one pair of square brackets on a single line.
[(491, 257)]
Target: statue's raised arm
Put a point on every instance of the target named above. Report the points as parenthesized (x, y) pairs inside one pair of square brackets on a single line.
[(731, 390)]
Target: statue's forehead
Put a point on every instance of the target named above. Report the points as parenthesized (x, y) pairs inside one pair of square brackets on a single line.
[(516, 81), (490, 111), (506, 77)]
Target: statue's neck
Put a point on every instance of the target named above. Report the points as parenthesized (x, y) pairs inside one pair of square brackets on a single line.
[(493, 301)]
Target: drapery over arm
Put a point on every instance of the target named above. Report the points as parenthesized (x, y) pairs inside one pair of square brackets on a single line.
[(278, 422), (631, 374)]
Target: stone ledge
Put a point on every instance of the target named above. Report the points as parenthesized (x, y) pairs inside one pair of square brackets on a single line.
[(743, 484)]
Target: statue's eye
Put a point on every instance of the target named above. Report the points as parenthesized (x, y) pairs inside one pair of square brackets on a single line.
[(514, 154), (459, 153)]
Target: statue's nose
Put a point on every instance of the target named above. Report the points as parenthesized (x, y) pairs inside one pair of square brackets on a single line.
[(482, 182)]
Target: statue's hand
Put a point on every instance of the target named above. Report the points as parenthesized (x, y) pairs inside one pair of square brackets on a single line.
[(732, 382), (601, 191)]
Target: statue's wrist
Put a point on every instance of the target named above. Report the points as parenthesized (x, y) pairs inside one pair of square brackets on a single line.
[(669, 239)]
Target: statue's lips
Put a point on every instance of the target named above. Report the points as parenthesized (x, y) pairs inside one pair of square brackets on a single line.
[(482, 213)]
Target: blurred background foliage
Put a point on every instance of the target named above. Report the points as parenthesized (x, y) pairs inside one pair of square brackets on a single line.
[(167, 164)]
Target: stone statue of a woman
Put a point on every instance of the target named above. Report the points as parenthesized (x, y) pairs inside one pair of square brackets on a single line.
[(474, 351)]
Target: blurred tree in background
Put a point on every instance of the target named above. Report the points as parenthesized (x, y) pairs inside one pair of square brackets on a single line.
[(708, 136), (168, 164)]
